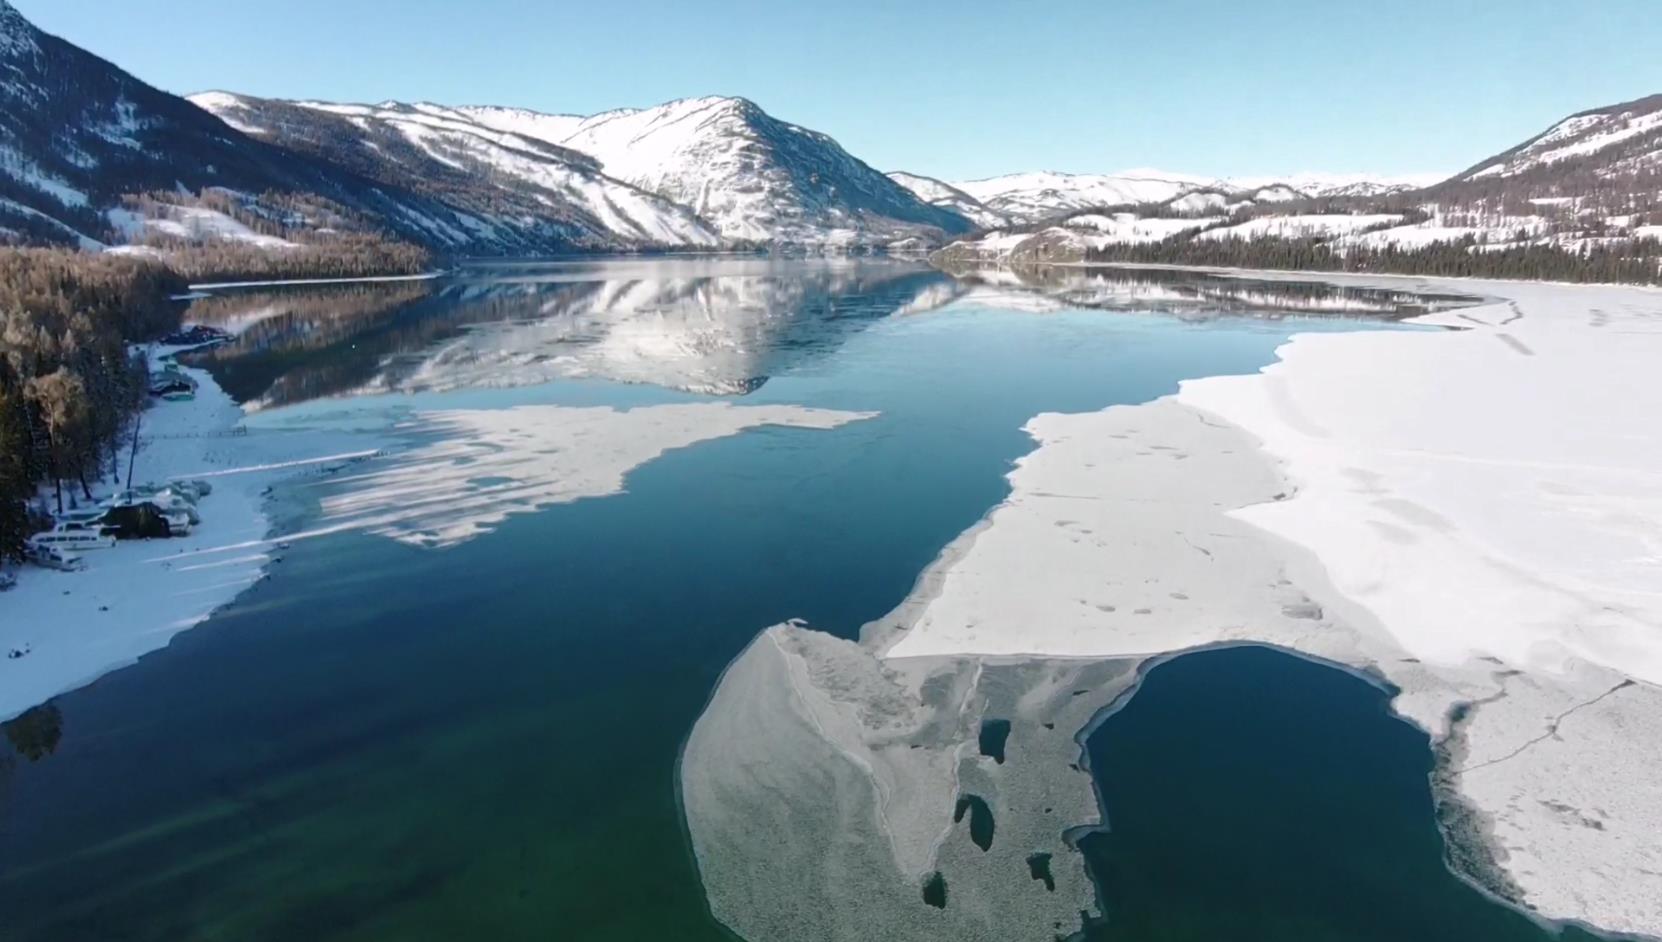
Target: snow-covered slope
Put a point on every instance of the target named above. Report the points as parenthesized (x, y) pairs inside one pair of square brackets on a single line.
[(1070, 239), (1201, 202), (77, 134), (549, 128), (1338, 184), (750, 175), (1301, 226), (189, 224), (1032, 197), (1620, 137), (1601, 164), (947, 196), (1029, 197), (514, 192)]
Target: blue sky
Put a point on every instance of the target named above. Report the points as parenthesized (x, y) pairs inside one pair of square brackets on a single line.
[(955, 90)]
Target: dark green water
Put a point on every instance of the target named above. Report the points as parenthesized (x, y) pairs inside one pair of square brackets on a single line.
[(389, 743), (1255, 795)]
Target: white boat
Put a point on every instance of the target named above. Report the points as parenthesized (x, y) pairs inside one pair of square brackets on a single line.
[(51, 557), (73, 537), (85, 515), (192, 489)]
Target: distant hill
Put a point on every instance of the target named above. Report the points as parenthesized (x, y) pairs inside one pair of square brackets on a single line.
[(1580, 201), (1030, 197), (1033, 197)]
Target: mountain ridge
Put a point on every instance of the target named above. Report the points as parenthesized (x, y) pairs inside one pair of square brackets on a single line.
[(515, 194), (755, 177), (1033, 196), (92, 156), (80, 138)]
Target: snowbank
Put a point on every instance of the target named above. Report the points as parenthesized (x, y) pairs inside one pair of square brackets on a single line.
[(191, 223), (1490, 492), (77, 626)]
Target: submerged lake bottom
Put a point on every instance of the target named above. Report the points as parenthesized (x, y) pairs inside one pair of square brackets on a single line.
[(388, 742)]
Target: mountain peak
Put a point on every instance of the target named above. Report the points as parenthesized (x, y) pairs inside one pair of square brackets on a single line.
[(725, 102), (751, 175)]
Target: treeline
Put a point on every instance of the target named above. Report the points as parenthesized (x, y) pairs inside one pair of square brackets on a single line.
[(346, 255), (1612, 181), (297, 216), (327, 240), (1627, 261), (69, 386)]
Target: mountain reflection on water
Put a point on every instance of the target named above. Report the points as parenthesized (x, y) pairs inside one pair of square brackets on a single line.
[(1190, 295), (711, 326)]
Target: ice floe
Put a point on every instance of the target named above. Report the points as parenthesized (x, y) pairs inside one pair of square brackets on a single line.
[(1472, 513), (484, 465), (822, 787)]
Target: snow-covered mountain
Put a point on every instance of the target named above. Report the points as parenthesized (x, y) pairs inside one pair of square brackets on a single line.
[(513, 193), (1322, 185), (949, 197), (92, 156), (1615, 139), (750, 175), (77, 134), (1591, 181), (1604, 163), (81, 141), (1034, 197), (1030, 197)]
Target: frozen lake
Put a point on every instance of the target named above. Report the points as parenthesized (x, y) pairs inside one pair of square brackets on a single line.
[(455, 710)]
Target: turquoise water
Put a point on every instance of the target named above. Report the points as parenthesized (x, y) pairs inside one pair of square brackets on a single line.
[(1255, 795), (391, 743)]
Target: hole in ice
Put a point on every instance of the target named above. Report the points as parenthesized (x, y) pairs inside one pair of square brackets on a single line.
[(934, 890), (994, 735), (981, 819), (1038, 866)]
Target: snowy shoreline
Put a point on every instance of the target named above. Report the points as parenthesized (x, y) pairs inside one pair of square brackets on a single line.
[(74, 627), (439, 478)]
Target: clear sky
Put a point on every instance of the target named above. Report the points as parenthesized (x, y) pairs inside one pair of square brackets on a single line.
[(951, 89)]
